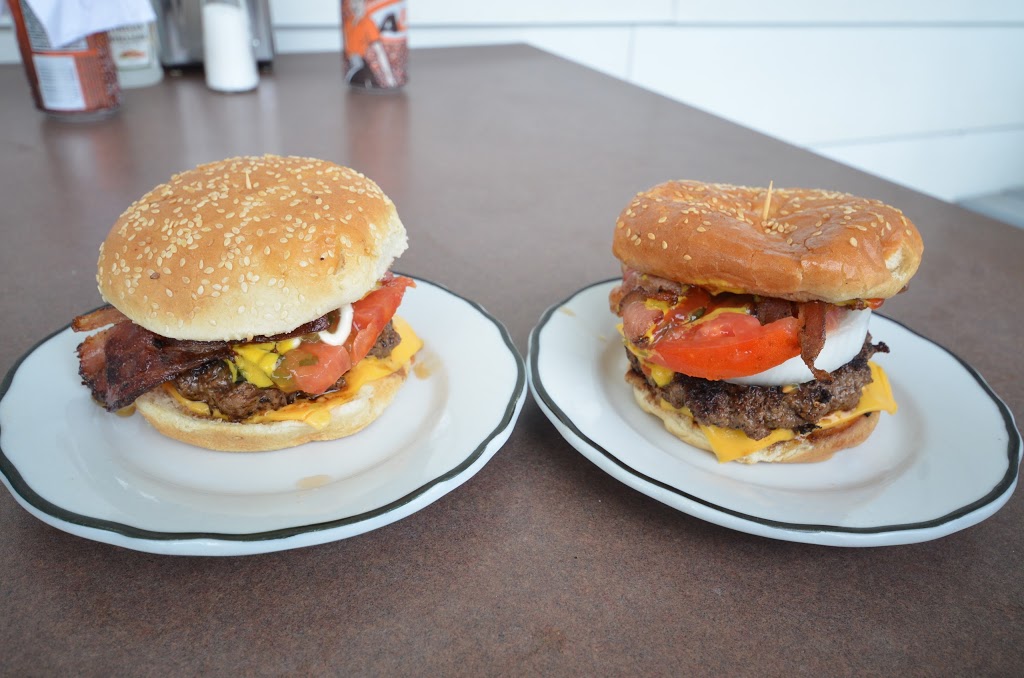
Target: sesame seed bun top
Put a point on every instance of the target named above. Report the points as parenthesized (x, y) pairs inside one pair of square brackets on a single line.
[(790, 243), (248, 246)]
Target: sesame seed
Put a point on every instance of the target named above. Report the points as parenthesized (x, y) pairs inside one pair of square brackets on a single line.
[(701, 229), (853, 241), (650, 236), (662, 220), (664, 245), (687, 257)]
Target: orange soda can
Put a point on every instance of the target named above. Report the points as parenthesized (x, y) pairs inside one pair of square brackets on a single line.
[(76, 81), (375, 53)]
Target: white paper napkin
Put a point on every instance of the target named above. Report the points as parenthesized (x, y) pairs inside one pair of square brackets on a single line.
[(66, 21)]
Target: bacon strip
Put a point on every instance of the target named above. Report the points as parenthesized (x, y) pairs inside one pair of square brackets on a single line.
[(652, 287), (637, 318), (812, 335), (124, 361), (313, 326), (770, 309), (101, 317)]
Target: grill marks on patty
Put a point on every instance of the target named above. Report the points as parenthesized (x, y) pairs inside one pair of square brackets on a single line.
[(756, 410), (213, 384)]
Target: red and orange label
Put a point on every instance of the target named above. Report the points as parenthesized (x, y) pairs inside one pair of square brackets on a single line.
[(376, 52), (73, 80)]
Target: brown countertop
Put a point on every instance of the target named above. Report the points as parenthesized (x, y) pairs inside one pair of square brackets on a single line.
[(508, 167)]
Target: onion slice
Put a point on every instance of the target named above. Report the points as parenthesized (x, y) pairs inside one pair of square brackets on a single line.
[(841, 345)]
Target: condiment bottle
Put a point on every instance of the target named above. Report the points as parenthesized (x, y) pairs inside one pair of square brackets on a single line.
[(136, 51), (77, 81), (228, 56), (375, 53)]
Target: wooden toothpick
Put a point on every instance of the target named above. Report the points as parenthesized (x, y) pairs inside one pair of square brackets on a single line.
[(767, 202)]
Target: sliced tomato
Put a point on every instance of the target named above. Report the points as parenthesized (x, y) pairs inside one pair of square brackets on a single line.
[(313, 367), (371, 313), (726, 346)]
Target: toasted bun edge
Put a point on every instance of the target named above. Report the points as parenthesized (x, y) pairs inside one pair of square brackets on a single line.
[(174, 421), (248, 246), (814, 245)]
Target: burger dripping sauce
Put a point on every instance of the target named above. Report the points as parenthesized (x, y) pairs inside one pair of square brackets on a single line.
[(77, 81)]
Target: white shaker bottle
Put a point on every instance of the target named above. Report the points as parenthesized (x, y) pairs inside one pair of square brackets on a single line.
[(228, 57)]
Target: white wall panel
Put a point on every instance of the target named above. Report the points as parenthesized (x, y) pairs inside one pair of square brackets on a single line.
[(811, 85), (603, 49), (950, 167), (305, 12), (929, 93), (488, 13), (291, 40), (484, 12), (849, 11), (8, 47)]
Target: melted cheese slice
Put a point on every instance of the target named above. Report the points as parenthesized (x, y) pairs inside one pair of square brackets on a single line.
[(317, 413), (731, 444)]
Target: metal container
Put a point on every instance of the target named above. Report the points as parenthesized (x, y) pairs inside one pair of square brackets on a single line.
[(181, 31)]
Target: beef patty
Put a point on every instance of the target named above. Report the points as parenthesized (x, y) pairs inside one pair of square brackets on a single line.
[(212, 383), (756, 410)]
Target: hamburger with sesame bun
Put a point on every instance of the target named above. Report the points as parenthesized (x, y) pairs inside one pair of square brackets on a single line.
[(745, 314), (252, 306)]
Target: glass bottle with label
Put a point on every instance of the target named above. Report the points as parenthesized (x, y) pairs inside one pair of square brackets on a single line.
[(77, 81), (136, 53)]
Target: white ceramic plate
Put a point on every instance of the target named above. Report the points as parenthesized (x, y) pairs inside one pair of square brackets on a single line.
[(116, 480), (947, 460)]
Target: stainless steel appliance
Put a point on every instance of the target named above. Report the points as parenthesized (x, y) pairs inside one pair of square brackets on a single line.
[(181, 31)]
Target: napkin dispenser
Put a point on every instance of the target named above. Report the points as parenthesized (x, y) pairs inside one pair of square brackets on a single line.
[(181, 31)]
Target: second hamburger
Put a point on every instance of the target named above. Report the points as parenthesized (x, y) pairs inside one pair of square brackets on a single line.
[(745, 314)]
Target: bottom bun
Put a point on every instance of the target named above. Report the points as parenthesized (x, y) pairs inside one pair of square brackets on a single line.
[(168, 417), (812, 447)]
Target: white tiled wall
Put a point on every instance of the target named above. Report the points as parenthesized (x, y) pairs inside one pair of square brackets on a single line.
[(928, 93)]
